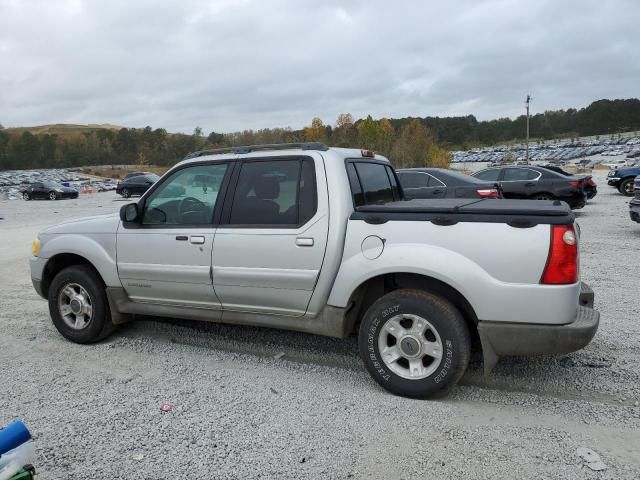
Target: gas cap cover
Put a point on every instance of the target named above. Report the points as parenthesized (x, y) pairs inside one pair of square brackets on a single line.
[(372, 247)]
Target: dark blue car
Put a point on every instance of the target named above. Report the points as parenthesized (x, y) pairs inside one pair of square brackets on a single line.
[(622, 179)]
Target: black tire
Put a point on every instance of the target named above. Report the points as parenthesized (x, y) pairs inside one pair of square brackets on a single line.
[(126, 193), (100, 325), (626, 187), (543, 196), (442, 316), (53, 196), (26, 196)]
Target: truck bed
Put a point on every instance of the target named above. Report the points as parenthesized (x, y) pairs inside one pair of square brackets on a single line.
[(517, 213)]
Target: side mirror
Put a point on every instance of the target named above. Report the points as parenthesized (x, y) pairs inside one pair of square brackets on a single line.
[(129, 212)]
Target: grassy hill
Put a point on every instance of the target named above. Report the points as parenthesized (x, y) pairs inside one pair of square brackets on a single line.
[(62, 128)]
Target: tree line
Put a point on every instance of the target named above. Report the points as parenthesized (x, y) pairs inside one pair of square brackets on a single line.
[(412, 144), (407, 142)]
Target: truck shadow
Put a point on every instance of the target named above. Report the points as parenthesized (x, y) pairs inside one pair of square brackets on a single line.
[(558, 377)]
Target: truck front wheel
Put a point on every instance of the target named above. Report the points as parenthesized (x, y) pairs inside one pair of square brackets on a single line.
[(78, 305), (414, 343)]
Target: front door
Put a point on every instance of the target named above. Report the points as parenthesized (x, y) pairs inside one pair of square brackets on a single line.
[(519, 182), (166, 259), (269, 248), (416, 184)]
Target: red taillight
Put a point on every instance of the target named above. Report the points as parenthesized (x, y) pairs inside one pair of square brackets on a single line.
[(488, 193), (562, 263), (591, 182), (576, 183)]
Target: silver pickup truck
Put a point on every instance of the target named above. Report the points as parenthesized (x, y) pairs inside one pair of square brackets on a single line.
[(320, 240)]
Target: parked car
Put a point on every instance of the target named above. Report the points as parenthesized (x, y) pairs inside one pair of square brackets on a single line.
[(536, 183), (136, 184), (135, 174), (590, 186), (617, 164), (634, 204), (441, 183), (622, 179), (48, 191), (320, 240)]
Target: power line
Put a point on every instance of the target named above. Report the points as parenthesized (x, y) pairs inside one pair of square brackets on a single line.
[(527, 102)]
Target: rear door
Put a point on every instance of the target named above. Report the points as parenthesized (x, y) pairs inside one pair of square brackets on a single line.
[(270, 246), (166, 259)]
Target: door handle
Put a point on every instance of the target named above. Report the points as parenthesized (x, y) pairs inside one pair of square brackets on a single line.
[(437, 192), (529, 184), (182, 238), (304, 242), (196, 239)]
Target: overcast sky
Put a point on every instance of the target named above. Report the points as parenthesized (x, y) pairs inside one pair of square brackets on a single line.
[(232, 64)]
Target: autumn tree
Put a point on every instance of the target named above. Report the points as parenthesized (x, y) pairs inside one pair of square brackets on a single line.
[(344, 131), (376, 135), (317, 132), (412, 147)]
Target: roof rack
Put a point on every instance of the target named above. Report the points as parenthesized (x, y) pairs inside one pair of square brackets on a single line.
[(255, 148)]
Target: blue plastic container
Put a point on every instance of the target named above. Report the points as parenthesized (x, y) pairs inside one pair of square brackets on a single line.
[(12, 436)]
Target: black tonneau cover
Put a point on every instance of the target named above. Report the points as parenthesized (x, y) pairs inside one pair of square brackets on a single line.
[(449, 211)]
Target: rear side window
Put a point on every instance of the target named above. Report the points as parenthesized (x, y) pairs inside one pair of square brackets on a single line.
[(372, 183), (279, 192)]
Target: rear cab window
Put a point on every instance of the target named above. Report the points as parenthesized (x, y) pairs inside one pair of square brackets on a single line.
[(372, 183)]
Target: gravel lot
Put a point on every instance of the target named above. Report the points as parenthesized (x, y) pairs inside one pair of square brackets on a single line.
[(313, 413)]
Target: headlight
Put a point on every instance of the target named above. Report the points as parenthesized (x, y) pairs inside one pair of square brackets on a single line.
[(35, 247)]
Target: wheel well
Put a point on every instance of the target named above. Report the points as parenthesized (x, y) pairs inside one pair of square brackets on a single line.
[(367, 293), (60, 262)]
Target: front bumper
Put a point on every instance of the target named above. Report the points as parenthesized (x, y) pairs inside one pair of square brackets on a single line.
[(502, 338), (613, 181), (36, 266), (37, 285)]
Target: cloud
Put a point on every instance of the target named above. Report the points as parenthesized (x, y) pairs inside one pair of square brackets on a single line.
[(230, 65)]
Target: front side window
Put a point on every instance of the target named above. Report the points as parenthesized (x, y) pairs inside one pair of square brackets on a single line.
[(488, 175), (187, 197), (278, 192), (413, 179), (519, 174)]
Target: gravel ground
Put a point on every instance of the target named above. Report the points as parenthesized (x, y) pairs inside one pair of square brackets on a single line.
[(313, 413)]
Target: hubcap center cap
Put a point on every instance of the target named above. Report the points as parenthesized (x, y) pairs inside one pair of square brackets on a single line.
[(76, 306), (410, 346)]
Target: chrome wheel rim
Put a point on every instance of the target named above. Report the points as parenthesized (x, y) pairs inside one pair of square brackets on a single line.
[(75, 306), (628, 187), (52, 196), (410, 346), (25, 196), (544, 197)]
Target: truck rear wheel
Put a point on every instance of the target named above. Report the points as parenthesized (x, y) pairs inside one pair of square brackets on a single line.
[(78, 305), (414, 343)]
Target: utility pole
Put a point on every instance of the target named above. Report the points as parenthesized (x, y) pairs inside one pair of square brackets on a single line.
[(527, 101)]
